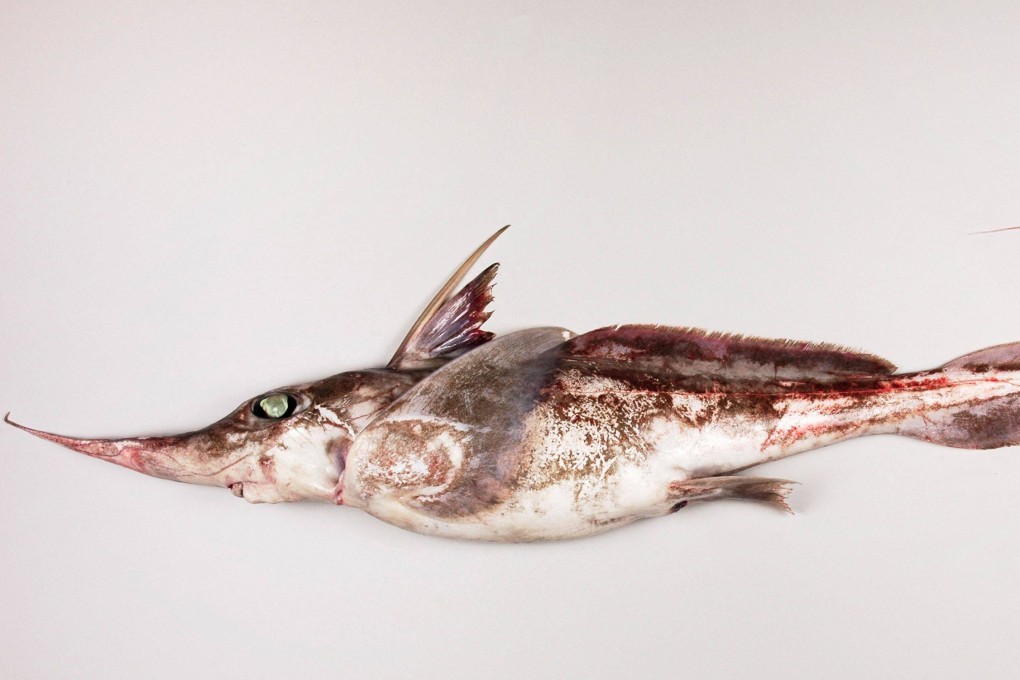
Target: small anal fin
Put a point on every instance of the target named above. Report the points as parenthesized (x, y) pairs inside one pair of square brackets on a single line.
[(760, 489)]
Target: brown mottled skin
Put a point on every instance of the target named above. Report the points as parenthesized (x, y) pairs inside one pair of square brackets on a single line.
[(544, 434)]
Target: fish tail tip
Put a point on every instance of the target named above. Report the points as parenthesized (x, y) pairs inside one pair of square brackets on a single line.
[(993, 231)]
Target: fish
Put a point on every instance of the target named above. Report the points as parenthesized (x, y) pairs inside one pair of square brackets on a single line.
[(545, 434)]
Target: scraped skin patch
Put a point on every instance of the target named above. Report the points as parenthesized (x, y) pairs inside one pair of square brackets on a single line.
[(543, 434)]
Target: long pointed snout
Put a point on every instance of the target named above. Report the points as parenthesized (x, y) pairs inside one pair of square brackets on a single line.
[(164, 457), (226, 454)]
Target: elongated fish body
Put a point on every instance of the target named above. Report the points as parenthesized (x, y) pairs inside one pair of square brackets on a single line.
[(544, 434), (541, 434)]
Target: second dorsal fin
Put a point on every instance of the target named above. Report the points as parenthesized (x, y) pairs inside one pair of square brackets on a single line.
[(683, 350), (450, 323)]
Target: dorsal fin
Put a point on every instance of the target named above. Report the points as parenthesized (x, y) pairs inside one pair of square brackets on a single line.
[(450, 323), (682, 350)]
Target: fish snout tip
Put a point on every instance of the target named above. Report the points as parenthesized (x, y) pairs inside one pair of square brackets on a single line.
[(96, 448), (19, 426), (26, 428)]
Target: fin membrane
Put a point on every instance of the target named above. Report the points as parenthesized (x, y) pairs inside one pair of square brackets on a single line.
[(980, 423), (450, 323), (760, 489), (458, 323), (987, 424), (678, 350), (1000, 357)]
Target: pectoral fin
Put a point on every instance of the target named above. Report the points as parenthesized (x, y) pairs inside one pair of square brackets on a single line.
[(760, 489)]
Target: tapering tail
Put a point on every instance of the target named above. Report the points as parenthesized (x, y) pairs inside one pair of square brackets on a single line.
[(984, 409)]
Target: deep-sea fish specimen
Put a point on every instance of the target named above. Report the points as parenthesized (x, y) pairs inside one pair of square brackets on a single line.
[(544, 434)]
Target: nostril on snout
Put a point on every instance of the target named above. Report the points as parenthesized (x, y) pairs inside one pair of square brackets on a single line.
[(237, 488)]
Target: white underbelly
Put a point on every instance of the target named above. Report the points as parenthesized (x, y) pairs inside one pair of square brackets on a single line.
[(533, 515), (570, 507)]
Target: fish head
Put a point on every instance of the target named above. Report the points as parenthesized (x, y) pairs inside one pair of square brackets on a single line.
[(290, 443), (286, 444)]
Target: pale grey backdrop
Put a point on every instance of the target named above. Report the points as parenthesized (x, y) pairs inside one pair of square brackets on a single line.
[(204, 200)]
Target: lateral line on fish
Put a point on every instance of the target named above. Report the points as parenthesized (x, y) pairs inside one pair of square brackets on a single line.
[(837, 393)]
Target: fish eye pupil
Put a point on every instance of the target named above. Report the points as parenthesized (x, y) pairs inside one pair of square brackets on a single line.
[(278, 405)]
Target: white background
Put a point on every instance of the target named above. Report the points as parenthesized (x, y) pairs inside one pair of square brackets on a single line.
[(202, 201)]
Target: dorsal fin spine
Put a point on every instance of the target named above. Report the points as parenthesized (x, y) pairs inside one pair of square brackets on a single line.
[(431, 335)]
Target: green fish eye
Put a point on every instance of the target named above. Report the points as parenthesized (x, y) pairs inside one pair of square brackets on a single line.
[(278, 405)]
